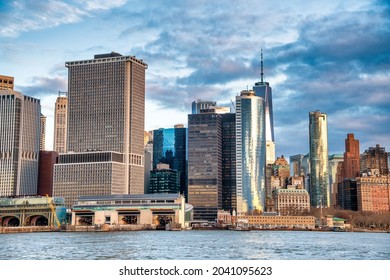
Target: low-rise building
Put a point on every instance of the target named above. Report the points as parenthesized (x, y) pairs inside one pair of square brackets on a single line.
[(32, 211), (291, 201), (142, 211), (270, 222)]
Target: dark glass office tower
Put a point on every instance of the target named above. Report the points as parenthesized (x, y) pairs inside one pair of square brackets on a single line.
[(170, 147), (229, 197), (205, 164)]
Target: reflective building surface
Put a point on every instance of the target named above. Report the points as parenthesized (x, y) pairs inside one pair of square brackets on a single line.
[(319, 174), (263, 90), (170, 147), (250, 152)]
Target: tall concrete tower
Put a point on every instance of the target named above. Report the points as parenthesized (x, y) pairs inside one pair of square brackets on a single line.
[(106, 115), (19, 143), (250, 152), (318, 157), (60, 123)]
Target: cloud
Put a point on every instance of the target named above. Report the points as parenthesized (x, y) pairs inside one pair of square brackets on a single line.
[(24, 16), (40, 87)]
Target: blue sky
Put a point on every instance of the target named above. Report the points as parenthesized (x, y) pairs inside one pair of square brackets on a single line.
[(332, 56)]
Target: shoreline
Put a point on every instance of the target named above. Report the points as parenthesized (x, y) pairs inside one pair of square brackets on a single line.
[(30, 229)]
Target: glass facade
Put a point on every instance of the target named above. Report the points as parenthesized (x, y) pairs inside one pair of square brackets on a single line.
[(250, 152), (318, 157), (263, 90), (229, 199), (164, 181), (170, 147)]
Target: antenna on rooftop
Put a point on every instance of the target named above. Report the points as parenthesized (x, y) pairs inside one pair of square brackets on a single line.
[(262, 72), (63, 92)]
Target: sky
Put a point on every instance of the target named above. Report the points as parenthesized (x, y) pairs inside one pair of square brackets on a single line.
[(332, 56)]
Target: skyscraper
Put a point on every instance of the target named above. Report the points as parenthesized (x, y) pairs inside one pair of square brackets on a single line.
[(250, 151), (19, 143), (60, 123), (319, 176), (170, 147), (201, 105), (105, 134), (263, 90), (42, 144), (205, 164), (229, 197), (351, 157)]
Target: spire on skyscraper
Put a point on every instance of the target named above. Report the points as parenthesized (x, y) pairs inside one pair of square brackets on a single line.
[(261, 72)]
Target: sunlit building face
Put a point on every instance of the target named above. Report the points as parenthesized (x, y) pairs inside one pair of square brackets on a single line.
[(319, 174), (250, 147)]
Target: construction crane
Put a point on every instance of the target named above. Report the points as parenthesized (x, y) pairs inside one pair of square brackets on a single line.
[(53, 210)]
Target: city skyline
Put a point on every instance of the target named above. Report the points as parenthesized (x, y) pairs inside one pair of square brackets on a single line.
[(331, 57)]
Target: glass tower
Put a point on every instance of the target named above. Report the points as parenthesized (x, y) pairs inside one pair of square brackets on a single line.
[(250, 152), (263, 90), (318, 157), (170, 147)]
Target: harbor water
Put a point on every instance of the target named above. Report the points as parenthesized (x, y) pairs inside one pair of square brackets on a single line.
[(195, 245)]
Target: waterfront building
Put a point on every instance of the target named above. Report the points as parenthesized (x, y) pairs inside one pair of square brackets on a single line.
[(319, 170), (163, 179), (291, 201), (275, 221), (19, 143), (205, 164), (250, 152), (97, 173), (42, 143), (375, 158), (6, 82), (170, 147), (32, 211), (351, 157), (106, 108), (60, 123), (296, 168), (47, 160), (142, 211), (373, 192), (199, 105)]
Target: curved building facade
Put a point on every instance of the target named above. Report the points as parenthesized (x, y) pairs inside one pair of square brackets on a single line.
[(319, 166), (251, 152)]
